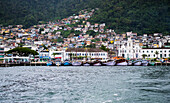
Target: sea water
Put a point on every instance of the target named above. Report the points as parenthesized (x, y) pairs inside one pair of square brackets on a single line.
[(100, 84)]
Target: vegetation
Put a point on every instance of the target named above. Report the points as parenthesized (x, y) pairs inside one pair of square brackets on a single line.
[(139, 16), (31, 12), (143, 56), (157, 53), (22, 51), (104, 48)]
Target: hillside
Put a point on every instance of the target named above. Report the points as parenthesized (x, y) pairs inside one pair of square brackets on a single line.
[(139, 16), (29, 12)]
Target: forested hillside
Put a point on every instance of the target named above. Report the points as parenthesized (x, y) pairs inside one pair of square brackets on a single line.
[(141, 16), (29, 12)]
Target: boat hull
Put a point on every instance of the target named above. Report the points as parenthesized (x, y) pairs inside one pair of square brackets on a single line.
[(138, 64), (122, 64), (58, 63), (49, 64), (145, 64), (67, 64), (76, 64), (86, 64), (97, 64), (112, 63)]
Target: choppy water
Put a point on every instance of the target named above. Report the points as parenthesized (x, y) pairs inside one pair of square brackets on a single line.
[(85, 84)]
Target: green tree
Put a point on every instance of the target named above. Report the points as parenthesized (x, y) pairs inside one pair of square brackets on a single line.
[(156, 52), (143, 56), (22, 51), (104, 48)]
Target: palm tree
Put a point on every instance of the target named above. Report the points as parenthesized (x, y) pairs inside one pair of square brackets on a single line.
[(157, 53), (143, 56), (54, 54)]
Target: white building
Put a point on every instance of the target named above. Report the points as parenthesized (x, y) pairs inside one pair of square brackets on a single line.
[(82, 54), (150, 52), (131, 49)]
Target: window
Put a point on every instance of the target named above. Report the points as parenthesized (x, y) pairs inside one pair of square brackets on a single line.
[(148, 55), (161, 51), (143, 51), (147, 51), (164, 55), (154, 55), (165, 51), (151, 51)]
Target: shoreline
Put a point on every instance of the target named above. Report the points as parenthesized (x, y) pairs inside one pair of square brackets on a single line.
[(44, 64)]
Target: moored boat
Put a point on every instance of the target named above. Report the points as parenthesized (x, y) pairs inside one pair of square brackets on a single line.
[(151, 63), (86, 64), (121, 62), (97, 64), (66, 63), (110, 63), (76, 63), (130, 63), (145, 63), (49, 63), (58, 63), (137, 63)]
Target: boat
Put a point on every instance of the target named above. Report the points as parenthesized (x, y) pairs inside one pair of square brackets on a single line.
[(97, 63), (58, 63), (130, 63), (151, 63), (145, 63), (110, 63), (66, 63), (76, 63), (137, 63), (49, 63), (121, 62), (86, 64)]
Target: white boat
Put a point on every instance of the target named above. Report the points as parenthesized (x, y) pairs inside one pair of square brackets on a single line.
[(121, 62), (137, 63), (97, 64), (76, 63), (58, 63), (86, 64), (110, 63), (145, 63), (130, 63)]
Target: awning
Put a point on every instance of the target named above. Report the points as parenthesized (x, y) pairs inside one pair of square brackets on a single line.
[(57, 57)]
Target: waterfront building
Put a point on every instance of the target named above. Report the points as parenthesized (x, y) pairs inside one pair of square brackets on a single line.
[(151, 52), (83, 54), (131, 49)]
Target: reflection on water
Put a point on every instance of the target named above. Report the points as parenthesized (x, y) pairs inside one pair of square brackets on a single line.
[(85, 84)]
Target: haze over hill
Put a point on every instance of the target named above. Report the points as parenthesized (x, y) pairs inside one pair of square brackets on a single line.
[(121, 15)]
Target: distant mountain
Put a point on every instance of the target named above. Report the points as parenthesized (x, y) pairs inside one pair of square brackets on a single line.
[(141, 16)]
